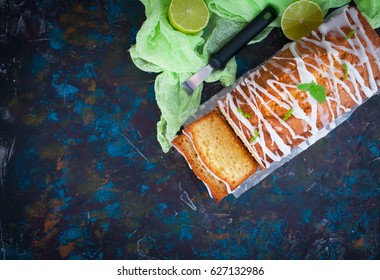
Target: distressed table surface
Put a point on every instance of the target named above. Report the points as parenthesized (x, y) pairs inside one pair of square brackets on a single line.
[(83, 177)]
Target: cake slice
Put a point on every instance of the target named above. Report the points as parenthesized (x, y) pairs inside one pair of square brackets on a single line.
[(216, 154), (216, 188)]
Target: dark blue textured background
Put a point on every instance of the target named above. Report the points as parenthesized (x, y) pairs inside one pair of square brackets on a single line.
[(83, 177)]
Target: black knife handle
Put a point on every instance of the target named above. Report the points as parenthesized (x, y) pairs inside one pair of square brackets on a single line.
[(221, 57)]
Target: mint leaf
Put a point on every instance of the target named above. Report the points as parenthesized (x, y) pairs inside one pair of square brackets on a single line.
[(316, 91), (253, 138), (306, 86), (350, 34), (319, 93), (288, 114), (345, 67)]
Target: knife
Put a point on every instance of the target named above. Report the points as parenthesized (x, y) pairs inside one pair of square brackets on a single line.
[(219, 59)]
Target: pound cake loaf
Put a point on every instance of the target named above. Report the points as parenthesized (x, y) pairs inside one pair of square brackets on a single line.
[(215, 154), (292, 97), (281, 104)]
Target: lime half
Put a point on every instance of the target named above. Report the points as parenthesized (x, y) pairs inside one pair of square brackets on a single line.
[(300, 18), (188, 16)]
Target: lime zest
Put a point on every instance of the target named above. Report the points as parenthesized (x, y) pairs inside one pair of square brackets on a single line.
[(288, 114), (350, 34), (254, 137), (246, 115), (345, 67)]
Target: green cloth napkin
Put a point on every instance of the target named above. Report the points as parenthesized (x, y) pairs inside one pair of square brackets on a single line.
[(370, 10), (176, 56)]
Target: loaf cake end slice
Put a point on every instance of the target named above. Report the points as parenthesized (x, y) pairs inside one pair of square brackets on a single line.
[(220, 150), (216, 188)]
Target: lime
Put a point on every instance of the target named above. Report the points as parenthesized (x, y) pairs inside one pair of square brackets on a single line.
[(300, 18), (188, 16)]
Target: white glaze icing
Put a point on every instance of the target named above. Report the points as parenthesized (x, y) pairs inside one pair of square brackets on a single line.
[(228, 187), (329, 72)]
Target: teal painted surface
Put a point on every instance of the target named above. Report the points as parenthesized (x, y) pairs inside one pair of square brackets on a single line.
[(83, 177)]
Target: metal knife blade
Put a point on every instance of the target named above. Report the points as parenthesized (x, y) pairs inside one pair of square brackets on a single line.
[(220, 58), (194, 81)]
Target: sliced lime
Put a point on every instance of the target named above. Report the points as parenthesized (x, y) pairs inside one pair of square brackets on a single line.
[(300, 18), (188, 16)]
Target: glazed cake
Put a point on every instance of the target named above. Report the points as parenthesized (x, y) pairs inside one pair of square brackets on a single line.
[(215, 154), (290, 98), (270, 112)]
